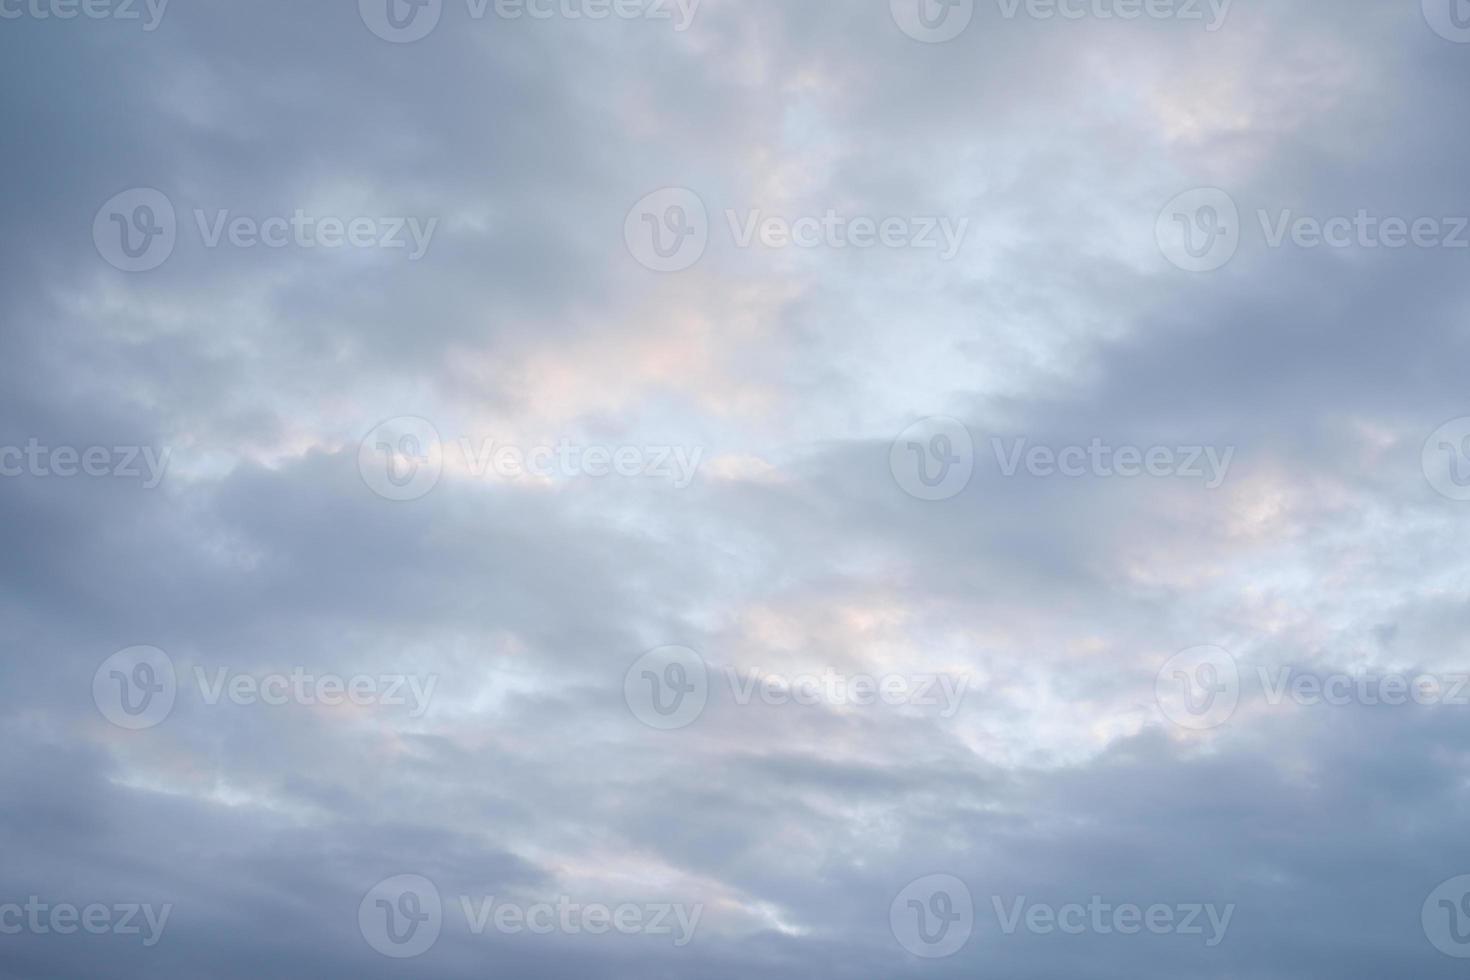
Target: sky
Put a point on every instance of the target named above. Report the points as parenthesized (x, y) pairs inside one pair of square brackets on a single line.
[(740, 488)]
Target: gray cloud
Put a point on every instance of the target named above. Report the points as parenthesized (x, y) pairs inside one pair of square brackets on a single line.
[(265, 552)]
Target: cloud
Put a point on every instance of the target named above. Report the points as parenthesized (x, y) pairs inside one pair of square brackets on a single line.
[(269, 551)]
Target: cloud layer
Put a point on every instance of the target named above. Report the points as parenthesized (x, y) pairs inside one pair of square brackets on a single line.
[(667, 526)]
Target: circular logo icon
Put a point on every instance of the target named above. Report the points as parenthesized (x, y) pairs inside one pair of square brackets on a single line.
[(667, 688), (401, 21), (933, 917), (136, 231), (1446, 917), (933, 21), (1199, 688), (136, 688), (402, 459), (401, 916), (1199, 231), (933, 459), (668, 230), (1450, 19), (1446, 459)]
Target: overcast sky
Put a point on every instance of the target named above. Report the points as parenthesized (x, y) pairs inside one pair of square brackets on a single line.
[(834, 489)]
